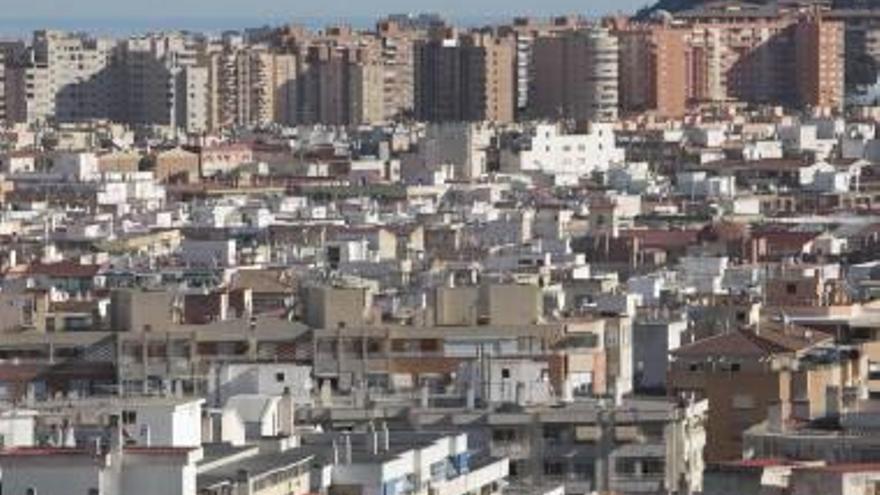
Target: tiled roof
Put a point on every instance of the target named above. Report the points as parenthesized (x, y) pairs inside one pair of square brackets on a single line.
[(67, 269), (751, 343)]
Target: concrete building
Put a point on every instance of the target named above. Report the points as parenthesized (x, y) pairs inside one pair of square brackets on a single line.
[(745, 373), (142, 311), (253, 86), (72, 76), (147, 470), (148, 68), (398, 62), (4, 104), (642, 446), (567, 154), (343, 85), (463, 145), (819, 58), (332, 307), (764, 54), (407, 461), (526, 31), (540, 443), (653, 73), (465, 78), (653, 339), (576, 75)]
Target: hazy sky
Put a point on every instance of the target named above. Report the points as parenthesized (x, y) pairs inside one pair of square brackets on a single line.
[(251, 9)]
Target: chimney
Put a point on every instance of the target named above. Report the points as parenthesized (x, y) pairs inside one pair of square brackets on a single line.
[(207, 427), (424, 396), (567, 391), (520, 393), (69, 437), (146, 436), (832, 401), (286, 411), (96, 446), (777, 414), (386, 437), (373, 439), (116, 439), (618, 395), (57, 439)]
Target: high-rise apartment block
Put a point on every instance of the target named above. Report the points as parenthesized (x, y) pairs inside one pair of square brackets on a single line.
[(716, 53), (398, 59), (653, 70), (343, 85), (12, 54), (526, 30), (253, 86), (71, 77), (4, 112), (465, 78), (576, 75), (819, 59), (161, 81), (726, 53)]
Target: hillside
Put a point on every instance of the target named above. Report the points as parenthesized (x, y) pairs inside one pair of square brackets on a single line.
[(680, 5)]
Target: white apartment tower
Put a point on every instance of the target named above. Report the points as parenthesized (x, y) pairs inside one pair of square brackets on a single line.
[(70, 77)]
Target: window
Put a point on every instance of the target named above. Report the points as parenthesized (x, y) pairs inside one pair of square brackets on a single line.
[(504, 435), (553, 432), (553, 468), (129, 417), (653, 466), (626, 465), (583, 471), (791, 289), (279, 377), (873, 370), (505, 373), (516, 467), (743, 401)]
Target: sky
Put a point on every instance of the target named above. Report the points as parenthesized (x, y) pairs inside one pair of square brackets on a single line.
[(72, 10)]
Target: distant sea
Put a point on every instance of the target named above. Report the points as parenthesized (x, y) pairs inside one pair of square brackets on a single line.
[(22, 28)]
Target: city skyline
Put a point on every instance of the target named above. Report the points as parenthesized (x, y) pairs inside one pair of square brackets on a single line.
[(90, 10)]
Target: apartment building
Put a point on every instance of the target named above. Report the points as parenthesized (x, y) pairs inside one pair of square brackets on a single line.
[(819, 58), (576, 75), (526, 31), (653, 70), (745, 373), (398, 61), (637, 446), (148, 70), (643, 446), (783, 54), (72, 77), (4, 105), (343, 85), (564, 153), (846, 434), (13, 54), (465, 78)]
